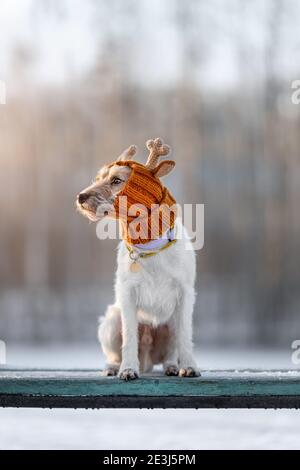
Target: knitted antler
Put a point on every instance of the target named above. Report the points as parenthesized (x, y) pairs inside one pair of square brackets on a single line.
[(157, 149), (128, 153)]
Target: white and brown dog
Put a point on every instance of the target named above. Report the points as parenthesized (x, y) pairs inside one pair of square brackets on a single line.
[(151, 319)]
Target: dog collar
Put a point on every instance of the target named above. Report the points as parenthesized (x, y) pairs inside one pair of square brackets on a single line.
[(158, 243), (148, 250)]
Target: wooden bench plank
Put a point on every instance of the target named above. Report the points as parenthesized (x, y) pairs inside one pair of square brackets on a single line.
[(88, 389)]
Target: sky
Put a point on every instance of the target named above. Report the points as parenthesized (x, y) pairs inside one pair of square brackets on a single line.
[(60, 45), (66, 38)]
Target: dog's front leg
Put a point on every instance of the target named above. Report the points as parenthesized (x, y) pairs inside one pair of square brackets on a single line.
[(184, 333), (170, 363), (129, 369)]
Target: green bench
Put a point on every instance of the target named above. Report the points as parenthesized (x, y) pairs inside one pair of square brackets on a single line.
[(87, 389)]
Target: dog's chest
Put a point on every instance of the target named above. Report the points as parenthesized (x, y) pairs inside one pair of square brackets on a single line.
[(156, 295), (158, 285)]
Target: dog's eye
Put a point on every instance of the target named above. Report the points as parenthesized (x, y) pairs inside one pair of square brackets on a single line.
[(116, 180)]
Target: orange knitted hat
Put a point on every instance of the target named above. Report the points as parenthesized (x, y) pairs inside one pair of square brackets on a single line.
[(144, 205)]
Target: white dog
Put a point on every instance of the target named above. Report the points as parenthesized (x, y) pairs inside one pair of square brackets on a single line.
[(151, 319)]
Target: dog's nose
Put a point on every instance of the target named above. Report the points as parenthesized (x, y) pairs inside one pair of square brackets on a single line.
[(83, 197)]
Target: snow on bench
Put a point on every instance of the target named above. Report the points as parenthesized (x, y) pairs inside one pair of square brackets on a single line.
[(88, 389)]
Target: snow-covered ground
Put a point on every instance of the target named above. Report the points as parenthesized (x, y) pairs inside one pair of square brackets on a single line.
[(89, 356), (157, 429), (150, 429)]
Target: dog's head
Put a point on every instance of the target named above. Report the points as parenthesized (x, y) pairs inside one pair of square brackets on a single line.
[(100, 199)]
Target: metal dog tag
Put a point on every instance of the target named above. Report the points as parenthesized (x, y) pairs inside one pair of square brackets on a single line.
[(135, 267)]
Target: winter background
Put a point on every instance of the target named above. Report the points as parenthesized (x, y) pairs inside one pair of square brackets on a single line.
[(85, 79)]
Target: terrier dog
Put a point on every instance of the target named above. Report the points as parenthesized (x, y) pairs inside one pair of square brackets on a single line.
[(151, 320)]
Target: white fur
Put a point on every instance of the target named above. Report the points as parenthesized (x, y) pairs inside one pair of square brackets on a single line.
[(162, 292)]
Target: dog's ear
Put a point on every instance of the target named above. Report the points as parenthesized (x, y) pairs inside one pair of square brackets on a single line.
[(164, 168), (128, 154)]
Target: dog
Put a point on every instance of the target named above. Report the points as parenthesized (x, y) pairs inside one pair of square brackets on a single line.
[(151, 320)]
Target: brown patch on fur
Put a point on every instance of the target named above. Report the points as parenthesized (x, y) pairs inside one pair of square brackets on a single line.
[(152, 345)]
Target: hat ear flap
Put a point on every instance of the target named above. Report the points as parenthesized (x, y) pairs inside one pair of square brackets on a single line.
[(164, 168)]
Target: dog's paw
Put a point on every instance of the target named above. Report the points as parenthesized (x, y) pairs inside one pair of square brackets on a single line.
[(128, 374), (171, 370), (109, 372), (189, 372)]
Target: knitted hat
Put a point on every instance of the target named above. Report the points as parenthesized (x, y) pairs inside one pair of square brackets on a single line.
[(144, 205)]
